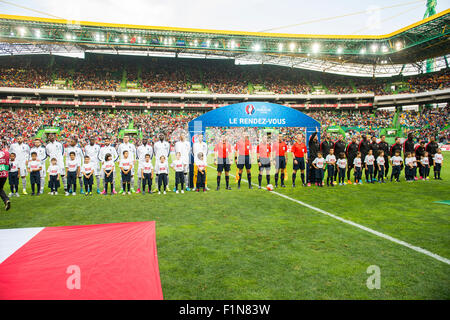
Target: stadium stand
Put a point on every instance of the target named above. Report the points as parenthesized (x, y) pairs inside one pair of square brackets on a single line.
[(109, 73)]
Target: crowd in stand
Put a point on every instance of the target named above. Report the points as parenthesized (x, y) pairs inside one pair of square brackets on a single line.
[(99, 72), (85, 123)]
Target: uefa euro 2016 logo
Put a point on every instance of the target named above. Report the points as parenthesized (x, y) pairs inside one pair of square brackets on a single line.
[(195, 138), (250, 109)]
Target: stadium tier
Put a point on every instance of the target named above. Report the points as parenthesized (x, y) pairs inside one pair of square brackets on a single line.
[(165, 75)]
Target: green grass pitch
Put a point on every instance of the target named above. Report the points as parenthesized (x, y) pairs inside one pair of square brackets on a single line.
[(253, 244)]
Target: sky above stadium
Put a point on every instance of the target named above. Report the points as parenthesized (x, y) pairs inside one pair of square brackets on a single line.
[(295, 16)]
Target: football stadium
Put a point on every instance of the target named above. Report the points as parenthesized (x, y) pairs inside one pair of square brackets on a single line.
[(176, 163)]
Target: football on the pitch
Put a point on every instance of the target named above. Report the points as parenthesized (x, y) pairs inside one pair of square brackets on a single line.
[(270, 187)]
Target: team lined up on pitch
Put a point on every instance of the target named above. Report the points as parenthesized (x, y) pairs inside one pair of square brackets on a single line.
[(75, 165)]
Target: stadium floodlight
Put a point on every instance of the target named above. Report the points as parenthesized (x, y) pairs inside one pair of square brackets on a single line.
[(299, 49), (216, 45), (37, 33), (68, 36), (316, 47), (280, 47), (257, 47), (22, 31), (339, 50), (116, 40), (125, 38), (208, 43), (374, 47), (196, 42), (292, 46), (362, 51), (384, 49), (398, 45)]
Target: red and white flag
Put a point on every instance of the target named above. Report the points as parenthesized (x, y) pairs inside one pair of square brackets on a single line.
[(108, 261)]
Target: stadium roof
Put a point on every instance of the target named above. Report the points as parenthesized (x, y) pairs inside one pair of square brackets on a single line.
[(403, 50)]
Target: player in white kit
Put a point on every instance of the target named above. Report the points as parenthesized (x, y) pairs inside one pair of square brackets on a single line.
[(55, 150), (161, 148), (22, 151), (79, 157), (144, 149), (184, 148), (126, 145), (92, 150), (107, 148), (41, 156)]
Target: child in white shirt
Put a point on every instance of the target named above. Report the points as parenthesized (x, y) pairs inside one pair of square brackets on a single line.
[(201, 172), (438, 159), (179, 166), (396, 162), (342, 167), (357, 163), (331, 166), (318, 164), (53, 176), (369, 162), (87, 170), (381, 166), (108, 168), (34, 168), (162, 170), (147, 173)]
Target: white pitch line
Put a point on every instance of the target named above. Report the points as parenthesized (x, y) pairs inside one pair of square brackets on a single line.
[(359, 226)]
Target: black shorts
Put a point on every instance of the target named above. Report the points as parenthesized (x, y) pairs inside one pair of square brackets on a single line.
[(280, 162), (53, 182), (126, 177), (35, 177), (300, 164), (244, 160), (13, 178), (265, 163), (109, 178), (223, 163), (71, 177)]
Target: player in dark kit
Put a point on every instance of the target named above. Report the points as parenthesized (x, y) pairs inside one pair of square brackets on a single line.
[(279, 149), (408, 145), (326, 145), (222, 152), (313, 146), (350, 152), (397, 146), (338, 146), (384, 146), (431, 148), (420, 152), (375, 149), (364, 147)]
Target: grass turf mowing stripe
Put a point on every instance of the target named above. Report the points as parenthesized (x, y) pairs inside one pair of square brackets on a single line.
[(357, 225)]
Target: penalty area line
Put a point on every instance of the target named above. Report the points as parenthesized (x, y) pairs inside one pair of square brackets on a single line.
[(359, 226)]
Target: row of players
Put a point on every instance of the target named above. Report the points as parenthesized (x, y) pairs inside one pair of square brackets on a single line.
[(376, 166)]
